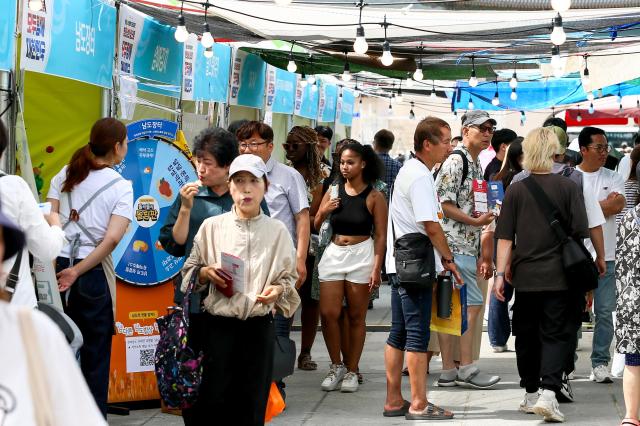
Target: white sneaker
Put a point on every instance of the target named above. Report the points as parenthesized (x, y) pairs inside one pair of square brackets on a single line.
[(600, 374), (349, 382), (547, 406), (334, 377), (530, 399), (499, 349)]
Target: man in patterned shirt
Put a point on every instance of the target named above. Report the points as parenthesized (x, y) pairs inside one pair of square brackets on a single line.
[(382, 144), (462, 228)]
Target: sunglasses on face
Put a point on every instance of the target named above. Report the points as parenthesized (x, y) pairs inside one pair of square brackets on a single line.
[(485, 129), (293, 146)]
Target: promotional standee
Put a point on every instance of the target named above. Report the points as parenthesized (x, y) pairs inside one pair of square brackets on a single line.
[(157, 169)]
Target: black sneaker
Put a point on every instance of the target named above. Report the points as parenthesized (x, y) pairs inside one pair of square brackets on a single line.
[(566, 393)]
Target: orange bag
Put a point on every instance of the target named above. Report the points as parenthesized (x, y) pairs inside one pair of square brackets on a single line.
[(275, 403)]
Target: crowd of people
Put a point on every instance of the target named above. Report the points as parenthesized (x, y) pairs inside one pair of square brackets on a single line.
[(323, 232)]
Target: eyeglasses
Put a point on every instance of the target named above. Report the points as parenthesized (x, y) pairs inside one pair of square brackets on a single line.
[(293, 146), (485, 129), (600, 148), (253, 145)]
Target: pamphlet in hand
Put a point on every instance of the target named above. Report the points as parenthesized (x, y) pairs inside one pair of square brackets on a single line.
[(495, 196), (234, 266), (480, 206)]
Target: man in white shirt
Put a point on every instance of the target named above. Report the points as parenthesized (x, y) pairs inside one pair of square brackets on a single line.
[(624, 166), (415, 208), (608, 188)]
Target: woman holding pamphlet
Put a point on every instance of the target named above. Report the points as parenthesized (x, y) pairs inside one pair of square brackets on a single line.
[(244, 264)]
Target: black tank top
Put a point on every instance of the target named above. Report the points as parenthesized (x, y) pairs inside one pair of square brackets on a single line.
[(352, 218)]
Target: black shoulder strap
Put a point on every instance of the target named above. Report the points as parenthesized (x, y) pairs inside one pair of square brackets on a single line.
[(548, 208), (465, 167)]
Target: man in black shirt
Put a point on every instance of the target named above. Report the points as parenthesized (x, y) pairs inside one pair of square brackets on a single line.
[(500, 142)]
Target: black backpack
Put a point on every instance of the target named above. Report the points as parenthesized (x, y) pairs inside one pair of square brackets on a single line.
[(465, 169)]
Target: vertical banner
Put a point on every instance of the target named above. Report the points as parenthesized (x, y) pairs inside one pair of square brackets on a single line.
[(327, 103), (149, 51), (69, 38), (205, 79), (248, 80), (7, 34), (306, 100), (346, 110), (281, 86)]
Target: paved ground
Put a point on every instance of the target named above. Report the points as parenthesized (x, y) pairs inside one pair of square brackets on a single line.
[(597, 404)]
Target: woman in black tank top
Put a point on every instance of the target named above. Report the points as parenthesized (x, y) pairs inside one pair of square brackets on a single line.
[(350, 266)]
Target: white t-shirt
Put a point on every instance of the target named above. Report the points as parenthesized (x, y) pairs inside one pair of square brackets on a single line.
[(624, 167), (43, 241), (601, 184), (413, 202), (117, 199), (71, 401)]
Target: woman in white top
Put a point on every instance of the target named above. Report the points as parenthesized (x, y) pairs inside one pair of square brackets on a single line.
[(96, 206), (43, 240)]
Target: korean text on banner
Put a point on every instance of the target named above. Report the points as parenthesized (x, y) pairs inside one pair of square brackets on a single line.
[(149, 51), (65, 32), (327, 103), (281, 86), (206, 79), (247, 80), (7, 34), (346, 113), (306, 101)]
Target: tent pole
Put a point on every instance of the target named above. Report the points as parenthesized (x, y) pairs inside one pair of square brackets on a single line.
[(8, 111), (105, 110)]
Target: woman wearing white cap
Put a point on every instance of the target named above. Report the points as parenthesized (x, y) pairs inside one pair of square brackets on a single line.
[(257, 256)]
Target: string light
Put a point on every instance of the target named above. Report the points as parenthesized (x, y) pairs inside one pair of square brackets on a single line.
[(412, 115), (360, 45), (620, 107), (399, 98), (523, 118), (418, 74), (387, 58), (619, 96), (514, 95), (579, 116), (585, 74), (432, 95), (390, 107), (346, 73), (291, 66), (560, 6), (314, 86), (590, 96), (496, 99), (303, 80), (181, 35), (35, 5), (591, 108), (470, 105), (558, 36), (513, 83), (556, 61), (208, 52), (638, 103), (473, 81), (207, 38)]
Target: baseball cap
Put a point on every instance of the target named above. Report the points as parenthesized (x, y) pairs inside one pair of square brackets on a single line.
[(13, 237), (505, 136), (248, 163), (562, 138), (476, 118)]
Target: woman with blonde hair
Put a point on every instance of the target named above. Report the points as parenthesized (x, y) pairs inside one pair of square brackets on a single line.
[(546, 313)]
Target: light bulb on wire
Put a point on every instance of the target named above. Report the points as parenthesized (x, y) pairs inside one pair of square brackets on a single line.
[(514, 94), (591, 108), (291, 66), (412, 115), (207, 38), (303, 80), (523, 117), (314, 87), (556, 60), (560, 6), (418, 75), (360, 45), (399, 98), (208, 52), (181, 35), (585, 74), (35, 5), (346, 73), (496, 100), (579, 117), (387, 57), (558, 36), (311, 79), (513, 83), (473, 81), (470, 105)]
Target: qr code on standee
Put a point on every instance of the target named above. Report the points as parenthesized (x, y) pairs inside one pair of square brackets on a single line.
[(146, 357)]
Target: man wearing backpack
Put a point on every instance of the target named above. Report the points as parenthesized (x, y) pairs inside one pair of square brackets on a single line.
[(462, 227)]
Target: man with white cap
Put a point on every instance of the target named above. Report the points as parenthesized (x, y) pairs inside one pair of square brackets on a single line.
[(462, 227)]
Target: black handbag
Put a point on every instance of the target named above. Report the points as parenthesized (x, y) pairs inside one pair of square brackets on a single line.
[(580, 269), (284, 358), (414, 260)]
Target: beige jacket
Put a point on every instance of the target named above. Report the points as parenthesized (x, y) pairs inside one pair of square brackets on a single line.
[(265, 246)]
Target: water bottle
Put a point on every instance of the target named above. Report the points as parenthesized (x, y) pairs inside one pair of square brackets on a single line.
[(443, 295)]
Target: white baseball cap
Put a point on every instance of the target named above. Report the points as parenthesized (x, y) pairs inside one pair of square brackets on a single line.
[(248, 163)]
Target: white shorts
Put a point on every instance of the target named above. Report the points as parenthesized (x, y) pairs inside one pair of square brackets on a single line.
[(352, 263)]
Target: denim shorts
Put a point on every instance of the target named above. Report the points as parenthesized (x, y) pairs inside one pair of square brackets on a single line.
[(632, 360), (410, 317), (468, 268)]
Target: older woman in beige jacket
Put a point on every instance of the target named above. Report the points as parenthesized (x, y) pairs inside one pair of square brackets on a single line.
[(258, 254)]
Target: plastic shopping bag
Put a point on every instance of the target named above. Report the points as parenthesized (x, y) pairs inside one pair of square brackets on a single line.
[(456, 324), (275, 403)]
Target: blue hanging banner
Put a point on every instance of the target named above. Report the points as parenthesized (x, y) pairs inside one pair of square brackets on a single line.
[(206, 79), (327, 103), (306, 100), (248, 80), (348, 102), (7, 34), (149, 51), (70, 38), (281, 87)]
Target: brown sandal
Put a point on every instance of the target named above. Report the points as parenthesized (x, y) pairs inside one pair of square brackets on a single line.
[(629, 421), (306, 363)]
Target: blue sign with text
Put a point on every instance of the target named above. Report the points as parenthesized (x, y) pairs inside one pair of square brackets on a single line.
[(283, 102), (348, 101), (211, 80), (330, 101), (7, 34), (159, 55)]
